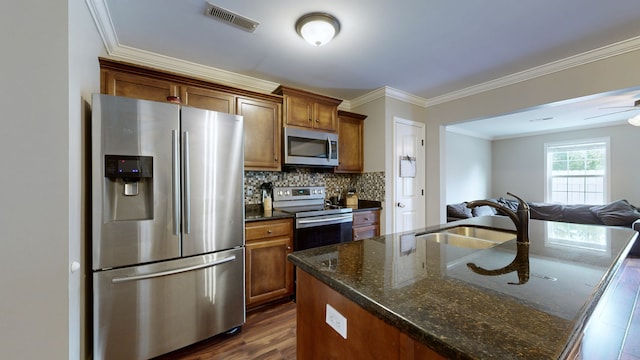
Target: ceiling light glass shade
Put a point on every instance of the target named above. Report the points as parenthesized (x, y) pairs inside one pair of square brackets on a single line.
[(635, 121), (317, 28)]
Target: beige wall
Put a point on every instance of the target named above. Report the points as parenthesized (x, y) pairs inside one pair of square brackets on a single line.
[(378, 140), (524, 176), (40, 211)]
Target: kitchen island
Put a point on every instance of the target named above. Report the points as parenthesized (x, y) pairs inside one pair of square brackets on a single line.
[(409, 296)]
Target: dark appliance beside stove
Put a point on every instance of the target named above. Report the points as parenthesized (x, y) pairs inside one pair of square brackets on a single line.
[(316, 222)]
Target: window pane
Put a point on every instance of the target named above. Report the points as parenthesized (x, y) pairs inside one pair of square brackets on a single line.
[(577, 173)]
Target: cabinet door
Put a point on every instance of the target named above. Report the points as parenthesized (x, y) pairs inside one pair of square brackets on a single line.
[(262, 133), (350, 145), (299, 111), (269, 275), (324, 117), (207, 99), (138, 87)]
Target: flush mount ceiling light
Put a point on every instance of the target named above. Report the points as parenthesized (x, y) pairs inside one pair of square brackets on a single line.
[(317, 28), (635, 121)]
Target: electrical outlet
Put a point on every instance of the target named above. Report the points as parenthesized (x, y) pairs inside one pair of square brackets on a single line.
[(336, 321)]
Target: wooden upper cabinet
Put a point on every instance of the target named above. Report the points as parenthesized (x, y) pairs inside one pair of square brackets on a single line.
[(262, 133), (262, 112), (207, 99), (350, 142), (139, 87), (308, 110)]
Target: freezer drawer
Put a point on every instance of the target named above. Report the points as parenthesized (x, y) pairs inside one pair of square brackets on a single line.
[(145, 311)]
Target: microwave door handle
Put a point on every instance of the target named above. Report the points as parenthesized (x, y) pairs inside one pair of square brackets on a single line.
[(329, 146)]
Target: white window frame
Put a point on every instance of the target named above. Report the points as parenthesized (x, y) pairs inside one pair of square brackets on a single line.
[(547, 164)]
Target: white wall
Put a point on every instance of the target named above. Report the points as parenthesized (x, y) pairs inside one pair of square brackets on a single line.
[(518, 163), (40, 215), (468, 168)]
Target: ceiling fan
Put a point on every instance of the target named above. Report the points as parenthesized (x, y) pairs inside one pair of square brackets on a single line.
[(635, 106)]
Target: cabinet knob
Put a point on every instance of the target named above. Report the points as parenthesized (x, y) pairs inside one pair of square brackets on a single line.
[(288, 247), (317, 120), (269, 231), (366, 219)]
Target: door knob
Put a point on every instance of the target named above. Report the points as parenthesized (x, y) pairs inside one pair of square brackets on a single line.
[(400, 205)]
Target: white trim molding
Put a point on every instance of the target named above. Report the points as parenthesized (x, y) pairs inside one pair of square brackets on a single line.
[(100, 13)]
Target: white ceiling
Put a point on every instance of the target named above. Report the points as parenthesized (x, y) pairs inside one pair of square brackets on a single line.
[(426, 48)]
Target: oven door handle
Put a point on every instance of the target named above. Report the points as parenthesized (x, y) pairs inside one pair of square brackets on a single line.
[(324, 221), (311, 221)]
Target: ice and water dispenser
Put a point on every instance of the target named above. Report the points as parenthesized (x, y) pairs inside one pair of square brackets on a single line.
[(128, 187)]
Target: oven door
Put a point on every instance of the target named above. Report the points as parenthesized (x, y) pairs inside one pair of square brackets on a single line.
[(322, 230)]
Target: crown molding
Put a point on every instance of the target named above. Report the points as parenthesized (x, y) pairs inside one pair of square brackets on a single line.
[(602, 53), (184, 67), (100, 13), (388, 92)]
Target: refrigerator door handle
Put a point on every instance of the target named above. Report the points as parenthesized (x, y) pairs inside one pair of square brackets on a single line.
[(172, 272), (175, 185), (187, 187)]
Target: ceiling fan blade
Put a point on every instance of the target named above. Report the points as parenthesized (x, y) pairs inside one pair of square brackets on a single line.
[(617, 107), (615, 112)]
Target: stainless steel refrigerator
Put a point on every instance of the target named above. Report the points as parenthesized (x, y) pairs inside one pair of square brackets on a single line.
[(167, 228)]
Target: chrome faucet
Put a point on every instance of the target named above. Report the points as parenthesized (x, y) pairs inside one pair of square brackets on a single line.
[(520, 217)]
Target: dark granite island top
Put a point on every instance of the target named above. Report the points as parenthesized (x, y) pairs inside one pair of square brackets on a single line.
[(428, 291)]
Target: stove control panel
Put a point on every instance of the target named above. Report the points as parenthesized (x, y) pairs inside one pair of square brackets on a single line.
[(298, 193)]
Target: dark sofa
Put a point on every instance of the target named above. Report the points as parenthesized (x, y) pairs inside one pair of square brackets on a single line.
[(617, 213)]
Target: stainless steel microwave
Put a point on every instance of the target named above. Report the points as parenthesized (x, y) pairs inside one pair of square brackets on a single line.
[(310, 148)]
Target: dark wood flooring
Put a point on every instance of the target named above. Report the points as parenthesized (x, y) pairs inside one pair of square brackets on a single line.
[(270, 333)]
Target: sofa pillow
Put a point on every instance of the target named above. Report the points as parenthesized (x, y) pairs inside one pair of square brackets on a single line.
[(460, 211), (616, 213), (580, 214), (509, 204), (483, 210), (545, 211)]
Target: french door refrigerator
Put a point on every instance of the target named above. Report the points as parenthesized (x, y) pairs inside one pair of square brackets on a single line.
[(167, 226)]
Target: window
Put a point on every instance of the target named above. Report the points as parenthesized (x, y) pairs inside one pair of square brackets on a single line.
[(577, 172)]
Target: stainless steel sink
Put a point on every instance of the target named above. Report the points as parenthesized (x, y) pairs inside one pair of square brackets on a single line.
[(482, 233), (470, 237)]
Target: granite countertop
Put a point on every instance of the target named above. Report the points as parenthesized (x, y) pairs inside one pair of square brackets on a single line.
[(535, 307), (256, 213)]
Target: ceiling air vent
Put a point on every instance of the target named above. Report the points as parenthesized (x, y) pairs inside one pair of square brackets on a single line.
[(230, 17)]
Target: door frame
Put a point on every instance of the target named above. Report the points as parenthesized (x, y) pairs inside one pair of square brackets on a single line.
[(396, 168)]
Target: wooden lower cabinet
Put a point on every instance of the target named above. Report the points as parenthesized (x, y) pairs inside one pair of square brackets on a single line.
[(269, 275), (366, 224), (368, 337)]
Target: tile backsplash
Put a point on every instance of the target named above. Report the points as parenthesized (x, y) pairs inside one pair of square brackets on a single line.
[(369, 186)]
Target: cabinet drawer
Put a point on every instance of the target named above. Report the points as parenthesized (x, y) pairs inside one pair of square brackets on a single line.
[(364, 218), (268, 229), (366, 232)]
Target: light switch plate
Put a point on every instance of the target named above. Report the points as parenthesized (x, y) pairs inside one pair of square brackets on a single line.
[(336, 321)]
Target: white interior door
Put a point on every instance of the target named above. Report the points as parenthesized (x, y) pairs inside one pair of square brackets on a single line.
[(409, 175)]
